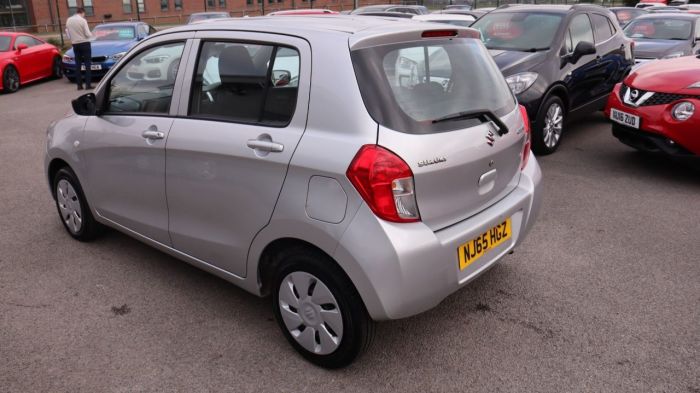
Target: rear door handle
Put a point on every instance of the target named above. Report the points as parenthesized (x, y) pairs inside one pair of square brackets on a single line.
[(264, 145), (153, 134)]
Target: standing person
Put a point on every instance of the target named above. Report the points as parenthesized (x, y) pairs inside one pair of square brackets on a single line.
[(80, 36)]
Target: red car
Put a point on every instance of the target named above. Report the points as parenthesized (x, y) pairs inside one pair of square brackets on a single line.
[(25, 58), (657, 108)]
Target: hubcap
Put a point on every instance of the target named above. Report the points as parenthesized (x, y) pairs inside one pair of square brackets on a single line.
[(310, 313), (553, 123), (69, 206)]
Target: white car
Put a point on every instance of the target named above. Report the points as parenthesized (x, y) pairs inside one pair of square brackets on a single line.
[(451, 19)]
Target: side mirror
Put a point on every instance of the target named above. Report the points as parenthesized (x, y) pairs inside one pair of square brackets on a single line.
[(21, 47), (583, 48), (281, 77), (85, 105)]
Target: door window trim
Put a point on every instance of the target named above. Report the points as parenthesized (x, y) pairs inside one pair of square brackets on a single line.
[(103, 94), (275, 49)]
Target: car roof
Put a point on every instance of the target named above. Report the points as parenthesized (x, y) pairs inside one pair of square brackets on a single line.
[(129, 24), (356, 28), (305, 25), (672, 15), (553, 8), (430, 17)]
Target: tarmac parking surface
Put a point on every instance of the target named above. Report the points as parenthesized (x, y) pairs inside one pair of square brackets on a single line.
[(604, 294)]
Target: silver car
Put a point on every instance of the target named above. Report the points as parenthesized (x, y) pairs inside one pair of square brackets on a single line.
[(356, 169)]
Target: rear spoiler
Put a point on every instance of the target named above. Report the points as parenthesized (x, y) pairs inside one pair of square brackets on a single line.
[(427, 32)]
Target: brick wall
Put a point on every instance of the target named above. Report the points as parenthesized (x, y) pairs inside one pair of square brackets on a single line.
[(44, 11)]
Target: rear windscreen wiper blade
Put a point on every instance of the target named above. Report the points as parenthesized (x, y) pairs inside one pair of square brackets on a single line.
[(482, 114)]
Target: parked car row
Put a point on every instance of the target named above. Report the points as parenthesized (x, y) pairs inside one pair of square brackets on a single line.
[(371, 204)]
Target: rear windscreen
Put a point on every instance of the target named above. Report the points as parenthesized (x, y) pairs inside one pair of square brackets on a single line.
[(413, 87)]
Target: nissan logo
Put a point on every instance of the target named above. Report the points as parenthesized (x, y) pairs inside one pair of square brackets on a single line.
[(634, 94)]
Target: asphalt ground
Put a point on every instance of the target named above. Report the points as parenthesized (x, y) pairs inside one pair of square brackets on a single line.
[(603, 296)]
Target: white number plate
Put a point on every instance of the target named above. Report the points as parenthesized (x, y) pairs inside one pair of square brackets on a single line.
[(94, 67), (624, 118)]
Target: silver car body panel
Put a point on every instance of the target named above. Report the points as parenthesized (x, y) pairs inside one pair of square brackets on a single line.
[(398, 269)]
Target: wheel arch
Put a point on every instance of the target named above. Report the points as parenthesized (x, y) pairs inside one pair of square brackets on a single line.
[(54, 166), (559, 90)]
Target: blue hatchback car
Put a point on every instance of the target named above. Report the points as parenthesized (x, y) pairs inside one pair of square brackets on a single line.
[(112, 41)]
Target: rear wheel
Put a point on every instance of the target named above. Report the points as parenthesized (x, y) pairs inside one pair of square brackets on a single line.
[(10, 79), (72, 206), (57, 68), (319, 310), (549, 126)]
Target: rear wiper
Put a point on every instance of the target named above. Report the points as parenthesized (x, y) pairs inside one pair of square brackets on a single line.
[(482, 114)]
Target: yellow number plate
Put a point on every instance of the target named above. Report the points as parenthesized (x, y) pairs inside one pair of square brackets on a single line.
[(477, 247)]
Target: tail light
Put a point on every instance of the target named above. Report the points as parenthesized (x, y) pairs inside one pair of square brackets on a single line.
[(385, 182), (528, 138)]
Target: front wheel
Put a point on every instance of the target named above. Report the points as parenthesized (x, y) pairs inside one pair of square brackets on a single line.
[(319, 310), (548, 127), (72, 206)]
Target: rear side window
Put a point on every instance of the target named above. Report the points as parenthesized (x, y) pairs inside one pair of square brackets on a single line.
[(414, 87), (602, 28), (580, 30), (246, 83)]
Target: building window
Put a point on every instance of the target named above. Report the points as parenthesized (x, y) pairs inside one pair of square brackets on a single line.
[(141, 5), (164, 5), (72, 6), (89, 9), (177, 4), (126, 6), (249, 2), (210, 3), (222, 3)]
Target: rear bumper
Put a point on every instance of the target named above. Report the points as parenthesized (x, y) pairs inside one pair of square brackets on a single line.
[(404, 269)]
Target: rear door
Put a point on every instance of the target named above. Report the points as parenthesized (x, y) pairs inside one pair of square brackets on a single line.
[(584, 76), (445, 109), (611, 52), (227, 154)]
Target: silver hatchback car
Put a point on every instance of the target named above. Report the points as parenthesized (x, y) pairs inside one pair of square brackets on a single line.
[(356, 169)]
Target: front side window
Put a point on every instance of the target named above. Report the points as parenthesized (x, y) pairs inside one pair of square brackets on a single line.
[(26, 40), (580, 30), (660, 29), (246, 83), (522, 31), (145, 83), (421, 88), (602, 28)]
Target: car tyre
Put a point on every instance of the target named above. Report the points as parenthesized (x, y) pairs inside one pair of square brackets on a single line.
[(73, 209), (10, 79), (57, 68), (548, 127), (319, 310)]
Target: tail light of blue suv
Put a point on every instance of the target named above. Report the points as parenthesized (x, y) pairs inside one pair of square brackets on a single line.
[(385, 183), (525, 155)]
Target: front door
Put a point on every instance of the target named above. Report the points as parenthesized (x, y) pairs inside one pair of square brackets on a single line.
[(228, 152), (124, 146)]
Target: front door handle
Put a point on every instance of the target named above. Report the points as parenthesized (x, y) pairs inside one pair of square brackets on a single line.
[(268, 146), (153, 134)]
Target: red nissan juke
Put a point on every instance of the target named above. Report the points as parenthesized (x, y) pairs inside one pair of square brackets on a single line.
[(657, 109)]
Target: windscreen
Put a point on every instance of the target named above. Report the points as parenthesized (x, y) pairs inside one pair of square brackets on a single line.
[(5, 43), (522, 31), (114, 33), (426, 87), (659, 29)]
